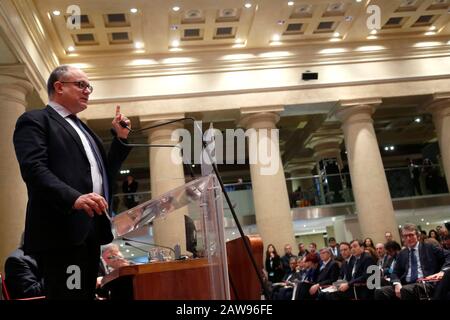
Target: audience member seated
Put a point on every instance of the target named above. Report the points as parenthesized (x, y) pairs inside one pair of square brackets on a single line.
[(388, 236), (392, 249), (334, 247), (310, 276), (283, 290), (285, 260), (355, 285), (418, 261), (22, 276), (446, 242), (302, 252), (328, 273)]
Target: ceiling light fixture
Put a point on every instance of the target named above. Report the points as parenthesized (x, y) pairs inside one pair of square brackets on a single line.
[(336, 34), (248, 5), (175, 43), (56, 12), (432, 28), (138, 45), (418, 120), (290, 3), (374, 31), (430, 33), (176, 8), (133, 10), (71, 49)]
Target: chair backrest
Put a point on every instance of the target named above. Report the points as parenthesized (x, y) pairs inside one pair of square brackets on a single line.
[(4, 292)]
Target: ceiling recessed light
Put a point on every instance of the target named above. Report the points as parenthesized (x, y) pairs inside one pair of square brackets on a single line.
[(70, 49), (432, 28), (336, 34), (176, 8), (276, 37), (290, 3), (391, 148), (399, 225), (175, 43), (333, 219), (427, 223), (374, 31), (386, 148), (248, 5), (128, 250), (138, 45), (56, 12), (422, 219), (430, 33), (418, 120), (132, 254), (358, 0), (133, 10)]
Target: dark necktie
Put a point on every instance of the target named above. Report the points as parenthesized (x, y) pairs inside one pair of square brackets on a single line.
[(414, 267), (97, 155)]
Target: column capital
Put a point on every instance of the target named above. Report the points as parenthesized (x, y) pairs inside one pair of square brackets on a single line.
[(326, 147), (438, 104), (356, 110), (303, 169), (264, 117), (14, 89)]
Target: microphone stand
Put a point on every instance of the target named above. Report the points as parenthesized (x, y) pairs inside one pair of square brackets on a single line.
[(222, 186)]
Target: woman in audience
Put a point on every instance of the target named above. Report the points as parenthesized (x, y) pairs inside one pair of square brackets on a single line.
[(273, 264), (310, 277), (433, 234), (369, 243), (372, 252)]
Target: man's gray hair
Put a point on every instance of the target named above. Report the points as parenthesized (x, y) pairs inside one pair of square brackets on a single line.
[(57, 75), (410, 227), (326, 249)]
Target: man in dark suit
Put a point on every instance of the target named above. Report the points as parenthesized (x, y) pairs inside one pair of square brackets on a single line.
[(334, 247), (68, 177), (328, 272), (355, 287), (23, 278), (346, 271), (418, 261)]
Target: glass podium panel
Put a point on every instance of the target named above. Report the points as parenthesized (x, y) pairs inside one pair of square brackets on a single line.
[(203, 201)]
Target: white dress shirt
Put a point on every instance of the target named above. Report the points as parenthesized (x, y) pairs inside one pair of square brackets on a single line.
[(96, 176)]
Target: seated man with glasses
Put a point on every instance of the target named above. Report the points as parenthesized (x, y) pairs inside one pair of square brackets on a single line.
[(417, 269)]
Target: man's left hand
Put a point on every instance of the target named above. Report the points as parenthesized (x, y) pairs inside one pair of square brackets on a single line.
[(436, 276), (121, 131)]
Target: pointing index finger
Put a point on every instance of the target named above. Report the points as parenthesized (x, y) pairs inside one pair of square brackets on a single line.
[(117, 110)]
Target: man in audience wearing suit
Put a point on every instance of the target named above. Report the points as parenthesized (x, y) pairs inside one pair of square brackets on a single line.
[(418, 261), (383, 258), (355, 287), (69, 179), (23, 278), (285, 260), (328, 272), (334, 247), (348, 260)]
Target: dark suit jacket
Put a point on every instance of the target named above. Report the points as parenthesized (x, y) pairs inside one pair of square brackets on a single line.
[(346, 270), (329, 274), (432, 259), (22, 276), (56, 171), (361, 275)]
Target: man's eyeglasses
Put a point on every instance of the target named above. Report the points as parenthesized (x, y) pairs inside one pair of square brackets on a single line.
[(81, 84)]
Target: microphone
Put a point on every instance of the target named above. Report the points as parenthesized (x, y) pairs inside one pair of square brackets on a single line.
[(137, 248), (175, 252)]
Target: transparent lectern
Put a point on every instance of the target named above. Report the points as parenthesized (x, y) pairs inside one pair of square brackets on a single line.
[(203, 201)]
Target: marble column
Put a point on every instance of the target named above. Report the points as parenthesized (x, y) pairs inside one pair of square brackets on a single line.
[(13, 192), (273, 213), (165, 175), (370, 189), (439, 107)]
